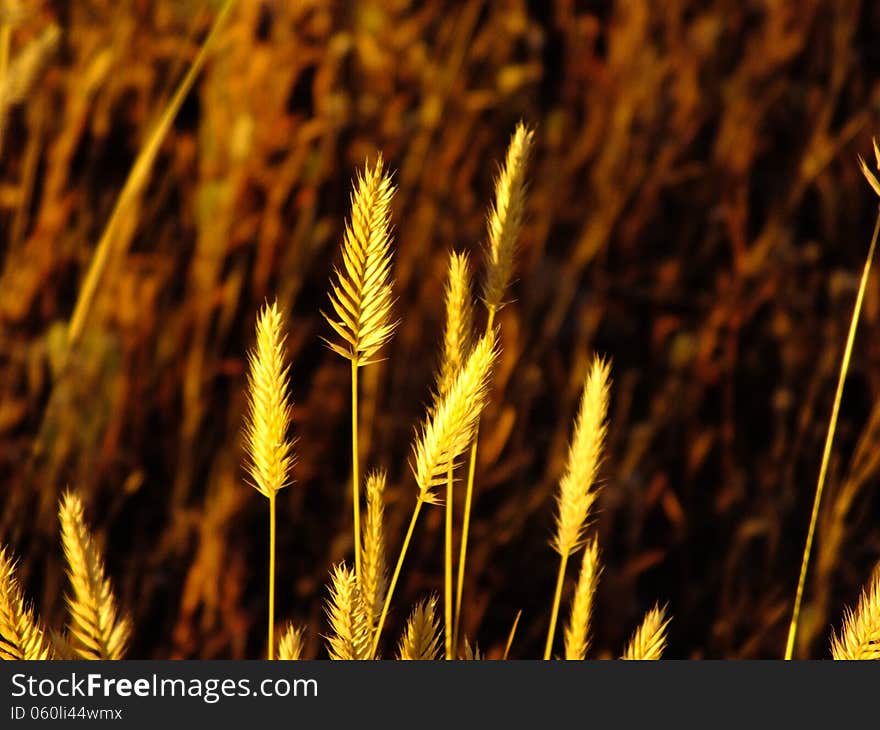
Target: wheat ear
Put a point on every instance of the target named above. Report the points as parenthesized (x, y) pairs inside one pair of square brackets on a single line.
[(96, 629), (270, 455), (374, 573), (21, 636), (577, 633), (835, 410), (860, 636), (443, 438), (361, 298), (421, 639), (505, 222), (649, 639), (290, 646), (577, 487), (457, 342), (350, 637)]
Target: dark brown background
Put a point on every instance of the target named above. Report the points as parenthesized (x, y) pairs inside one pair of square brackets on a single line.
[(695, 213)]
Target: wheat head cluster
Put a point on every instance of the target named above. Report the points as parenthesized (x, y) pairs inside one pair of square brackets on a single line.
[(360, 321)]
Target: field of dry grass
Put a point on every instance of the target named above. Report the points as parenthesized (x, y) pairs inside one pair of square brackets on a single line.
[(695, 214)]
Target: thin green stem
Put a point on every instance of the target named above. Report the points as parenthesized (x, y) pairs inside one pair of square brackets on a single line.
[(355, 486), (272, 576), (557, 599), (447, 582), (393, 584), (829, 440), (466, 519)]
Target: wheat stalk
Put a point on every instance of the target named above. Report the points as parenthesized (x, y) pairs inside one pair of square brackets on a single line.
[(457, 343), (649, 639), (350, 637), (577, 486), (361, 298), (421, 639), (21, 636), (505, 222), (577, 633), (96, 629), (290, 646), (270, 455), (374, 573), (835, 410), (443, 438), (860, 636)]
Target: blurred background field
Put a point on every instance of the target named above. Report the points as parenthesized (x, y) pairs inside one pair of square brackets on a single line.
[(695, 213)]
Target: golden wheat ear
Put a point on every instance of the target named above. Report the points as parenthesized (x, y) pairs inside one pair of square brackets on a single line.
[(21, 636), (577, 633), (96, 630), (361, 295), (505, 217), (350, 635), (458, 335), (860, 636), (649, 639), (290, 646), (421, 639), (269, 449), (374, 571)]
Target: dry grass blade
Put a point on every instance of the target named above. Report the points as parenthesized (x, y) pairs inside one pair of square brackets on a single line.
[(361, 296), (448, 432), (20, 634), (96, 629), (860, 636), (577, 633), (471, 653), (269, 450), (576, 493), (421, 640), (459, 333), (374, 572), (649, 639), (135, 184), (505, 217), (290, 646), (350, 637)]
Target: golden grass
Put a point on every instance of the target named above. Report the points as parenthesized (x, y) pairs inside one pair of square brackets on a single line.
[(21, 636), (505, 222), (361, 298), (577, 487), (97, 630), (649, 639), (290, 645), (835, 413), (373, 579), (350, 634), (270, 455), (577, 632), (860, 636), (421, 639)]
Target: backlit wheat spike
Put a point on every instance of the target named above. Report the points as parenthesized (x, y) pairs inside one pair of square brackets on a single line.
[(577, 633), (472, 653), (860, 636), (576, 489), (350, 637), (421, 640), (649, 640), (459, 332), (449, 430), (269, 450), (20, 634), (96, 629), (505, 217), (361, 296), (374, 573), (290, 647)]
